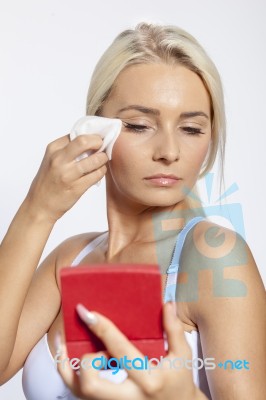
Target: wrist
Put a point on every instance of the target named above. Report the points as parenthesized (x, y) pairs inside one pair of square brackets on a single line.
[(36, 214)]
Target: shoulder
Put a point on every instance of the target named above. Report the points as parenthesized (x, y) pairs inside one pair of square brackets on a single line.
[(63, 255), (218, 272), (225, 298), (210, 246), (213, 241), (70, 248)]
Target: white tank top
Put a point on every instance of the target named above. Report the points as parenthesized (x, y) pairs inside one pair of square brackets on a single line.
[(40, 378)]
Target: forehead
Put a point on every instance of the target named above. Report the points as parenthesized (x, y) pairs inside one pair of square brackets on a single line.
[(160, 85)]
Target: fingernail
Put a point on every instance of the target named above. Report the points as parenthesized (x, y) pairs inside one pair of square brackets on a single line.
[(86, 316)]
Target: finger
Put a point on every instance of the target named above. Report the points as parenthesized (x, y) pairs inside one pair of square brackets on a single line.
[(92, 178), (119, 346), (89, 164), (94, 386), (90, 365), (177, 343), (82, 144), (115, 341), (57, 145), (68, 374), (71, 174)]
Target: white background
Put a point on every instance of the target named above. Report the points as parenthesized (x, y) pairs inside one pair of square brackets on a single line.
[(48, 51)]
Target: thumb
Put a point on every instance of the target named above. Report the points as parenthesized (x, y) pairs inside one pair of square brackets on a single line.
[(177, 343)]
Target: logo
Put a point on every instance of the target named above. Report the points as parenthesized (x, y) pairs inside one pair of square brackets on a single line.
[(138, 363), (215, 251)]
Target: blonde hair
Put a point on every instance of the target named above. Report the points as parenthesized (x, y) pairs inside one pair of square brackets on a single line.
[(150, 43)]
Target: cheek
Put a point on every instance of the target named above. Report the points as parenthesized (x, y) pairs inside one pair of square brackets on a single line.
[(126, 157), (201, 155), (120, 152), (195, 158), (200, 151)]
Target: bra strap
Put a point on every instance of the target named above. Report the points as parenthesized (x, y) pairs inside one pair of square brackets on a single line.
[(172, 271), (86, 250)]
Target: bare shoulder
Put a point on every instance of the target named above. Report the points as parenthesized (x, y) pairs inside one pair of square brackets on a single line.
[(224, 296), (216, 263), (70, 248), (43, 300)]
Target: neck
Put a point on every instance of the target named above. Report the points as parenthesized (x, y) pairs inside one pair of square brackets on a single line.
[(130, 222)]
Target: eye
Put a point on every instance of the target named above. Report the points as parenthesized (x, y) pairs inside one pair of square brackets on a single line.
[(192, 131), (135, 128)]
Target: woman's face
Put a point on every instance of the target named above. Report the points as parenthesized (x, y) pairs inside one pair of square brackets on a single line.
[(165, 137)]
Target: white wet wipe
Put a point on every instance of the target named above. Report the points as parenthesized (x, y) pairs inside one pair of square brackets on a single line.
[(107, 128)]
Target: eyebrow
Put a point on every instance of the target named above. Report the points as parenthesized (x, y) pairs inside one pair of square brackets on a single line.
[(145, 110), (154, 111), (193, 114)]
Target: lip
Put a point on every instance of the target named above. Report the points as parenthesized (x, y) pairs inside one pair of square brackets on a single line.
[(163, 180), (167, 176)]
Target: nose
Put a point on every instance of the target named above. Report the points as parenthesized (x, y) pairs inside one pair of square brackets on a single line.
[(166, 148)]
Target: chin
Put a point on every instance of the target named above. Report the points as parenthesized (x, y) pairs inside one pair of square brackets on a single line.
[(158, 200)]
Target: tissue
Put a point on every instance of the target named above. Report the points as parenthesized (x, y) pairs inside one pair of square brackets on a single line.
[(107, 128)]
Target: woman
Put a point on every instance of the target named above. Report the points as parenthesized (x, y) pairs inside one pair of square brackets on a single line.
[(167, 92)]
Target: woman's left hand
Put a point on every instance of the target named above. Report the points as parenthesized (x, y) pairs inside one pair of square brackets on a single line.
[(156, 383)]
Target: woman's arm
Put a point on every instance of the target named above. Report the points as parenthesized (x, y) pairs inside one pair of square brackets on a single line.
[(57, 186), (42, 302), (231, 316)]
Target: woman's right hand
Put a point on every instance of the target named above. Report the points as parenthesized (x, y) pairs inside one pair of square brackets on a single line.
[(61, 179), (59, 183)]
